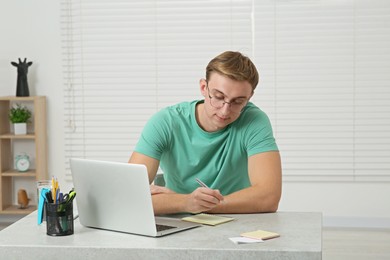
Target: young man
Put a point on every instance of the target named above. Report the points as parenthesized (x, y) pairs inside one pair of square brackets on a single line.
[(223, 140)]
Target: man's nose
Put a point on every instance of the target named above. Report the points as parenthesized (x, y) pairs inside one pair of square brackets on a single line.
[(226, 108)]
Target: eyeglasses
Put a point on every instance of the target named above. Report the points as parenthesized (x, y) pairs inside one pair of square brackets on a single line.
[(218, 101)]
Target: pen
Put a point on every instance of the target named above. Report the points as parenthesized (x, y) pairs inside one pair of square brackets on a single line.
[(201, 183), (53, 189)]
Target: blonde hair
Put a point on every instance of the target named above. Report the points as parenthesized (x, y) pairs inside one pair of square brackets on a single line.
[(234, 65)]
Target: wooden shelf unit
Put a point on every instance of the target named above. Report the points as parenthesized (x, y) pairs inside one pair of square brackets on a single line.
[(7, 172)]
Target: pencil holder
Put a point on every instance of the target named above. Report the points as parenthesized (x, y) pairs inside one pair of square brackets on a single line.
[(59, 219)]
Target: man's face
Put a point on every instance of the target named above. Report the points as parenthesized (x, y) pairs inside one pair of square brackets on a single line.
[(224, 100)]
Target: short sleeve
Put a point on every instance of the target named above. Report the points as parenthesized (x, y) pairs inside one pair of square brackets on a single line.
[(259, 134), (155, 136)]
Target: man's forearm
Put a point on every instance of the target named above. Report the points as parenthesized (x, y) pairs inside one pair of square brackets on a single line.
[(168, 203), (249, 200), (200, 200)]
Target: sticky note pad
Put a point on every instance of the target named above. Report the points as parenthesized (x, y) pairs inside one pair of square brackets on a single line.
[(208, 219), (260, 234)]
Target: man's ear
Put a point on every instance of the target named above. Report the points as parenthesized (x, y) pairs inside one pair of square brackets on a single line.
[(203, 87)]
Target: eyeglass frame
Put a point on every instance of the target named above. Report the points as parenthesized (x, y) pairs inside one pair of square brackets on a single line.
[(225, 102)]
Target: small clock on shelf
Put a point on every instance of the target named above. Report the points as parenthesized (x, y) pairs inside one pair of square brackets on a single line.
[(22, 162)]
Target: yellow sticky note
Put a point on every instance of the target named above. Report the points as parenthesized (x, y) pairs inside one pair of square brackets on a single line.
[(208, 219), (260, 234)]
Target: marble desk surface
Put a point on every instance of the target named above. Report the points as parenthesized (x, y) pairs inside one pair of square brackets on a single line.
[(300, 238)]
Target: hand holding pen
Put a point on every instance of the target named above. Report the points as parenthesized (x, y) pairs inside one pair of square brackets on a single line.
[(204, 198)]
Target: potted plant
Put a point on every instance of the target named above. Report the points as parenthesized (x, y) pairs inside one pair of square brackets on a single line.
[(19, 115)]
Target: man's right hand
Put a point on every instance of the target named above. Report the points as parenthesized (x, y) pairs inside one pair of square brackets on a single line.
[(203, 199)]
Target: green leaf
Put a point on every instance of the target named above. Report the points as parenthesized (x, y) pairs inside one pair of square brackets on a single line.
[(19, 114)]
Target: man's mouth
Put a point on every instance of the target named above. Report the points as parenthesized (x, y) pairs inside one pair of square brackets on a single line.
[(222, 118)]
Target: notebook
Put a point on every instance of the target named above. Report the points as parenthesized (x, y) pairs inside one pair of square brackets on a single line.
[(116, 196)]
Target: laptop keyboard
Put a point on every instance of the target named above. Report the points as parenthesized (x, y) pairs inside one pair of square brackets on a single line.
[(163, 227)]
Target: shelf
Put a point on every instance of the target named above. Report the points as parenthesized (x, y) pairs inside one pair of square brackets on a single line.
[(16, 173), (10, 144), (15, 210), (14, 98), (12, 136)]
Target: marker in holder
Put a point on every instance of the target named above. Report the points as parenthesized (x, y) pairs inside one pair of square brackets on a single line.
[(59, 219)]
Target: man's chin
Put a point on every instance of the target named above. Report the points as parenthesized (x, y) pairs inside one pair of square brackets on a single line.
[(221, 124)]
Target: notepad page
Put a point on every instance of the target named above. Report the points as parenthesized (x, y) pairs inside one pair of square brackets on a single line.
[(208, 219), (260, 234)]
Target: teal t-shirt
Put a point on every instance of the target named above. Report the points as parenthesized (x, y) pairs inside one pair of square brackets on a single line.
[(219, 159)]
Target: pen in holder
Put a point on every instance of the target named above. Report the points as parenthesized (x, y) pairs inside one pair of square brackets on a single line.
[(59, 219)]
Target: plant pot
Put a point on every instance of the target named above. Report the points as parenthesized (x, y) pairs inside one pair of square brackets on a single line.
[(20, 128)]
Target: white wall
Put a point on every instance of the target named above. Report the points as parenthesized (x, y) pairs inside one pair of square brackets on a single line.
[(31, 29)]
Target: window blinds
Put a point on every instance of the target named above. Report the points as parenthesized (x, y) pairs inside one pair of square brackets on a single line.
[(323, 66)]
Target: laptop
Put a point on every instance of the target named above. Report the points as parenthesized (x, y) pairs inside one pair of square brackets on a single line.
[(116, 196)]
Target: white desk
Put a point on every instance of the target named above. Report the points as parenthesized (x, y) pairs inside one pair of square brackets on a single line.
[(301, 237)]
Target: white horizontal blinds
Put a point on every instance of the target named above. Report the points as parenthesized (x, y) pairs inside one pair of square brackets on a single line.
[(314, 87), (324, 82), (124, 60), (323, 74), (188, 35), (372, 89), (112, 68), (264, 58)]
